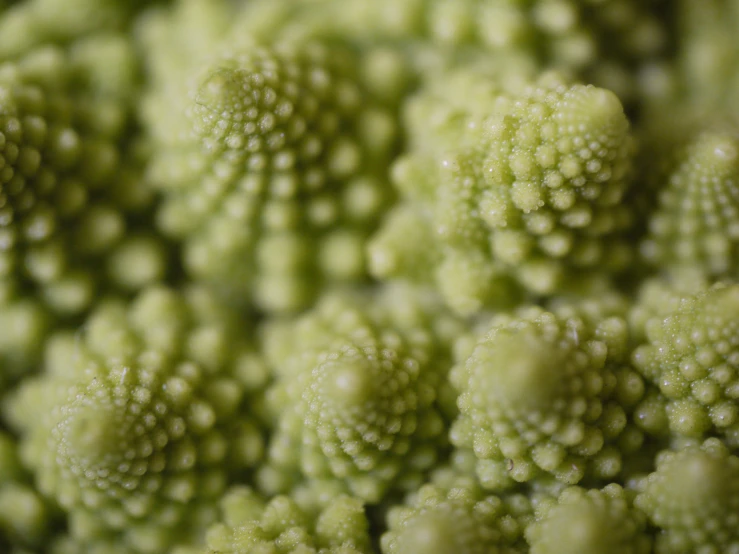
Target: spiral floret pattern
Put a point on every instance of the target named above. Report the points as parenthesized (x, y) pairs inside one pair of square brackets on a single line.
[(540, 394)]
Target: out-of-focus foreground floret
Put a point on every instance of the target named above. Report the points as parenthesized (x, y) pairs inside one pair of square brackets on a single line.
[(693, 498), (589, 521), (147, 416), (283, 526), (360, 392), (524, 189)]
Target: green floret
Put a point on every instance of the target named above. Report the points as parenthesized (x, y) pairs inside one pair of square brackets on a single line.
[(543, 395), (583, 521), (71, 193), (691, 355), (282, 176), (453, 514), (525, 187), (696, 220), (146, 416), (281, 526), (361, 391), (693, 499)]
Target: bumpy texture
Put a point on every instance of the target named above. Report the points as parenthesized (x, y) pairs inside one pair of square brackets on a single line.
[(70, 189), (281, 178), (360, 391), (533, 192), (453, 514), (696, 221), (583, 521), (293, 159), (693, 499), (147, 417), (606, 42), (539, 394), (690, 354), (281, 526)]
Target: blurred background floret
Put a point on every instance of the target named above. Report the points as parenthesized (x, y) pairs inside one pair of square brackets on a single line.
[(73, 201), (281, 175)]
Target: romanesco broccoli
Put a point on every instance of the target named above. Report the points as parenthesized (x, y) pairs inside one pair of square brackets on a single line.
[(369, 276)]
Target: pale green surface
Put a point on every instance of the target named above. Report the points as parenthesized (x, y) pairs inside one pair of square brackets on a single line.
[(293, 158), (453, 514), (280, 526)]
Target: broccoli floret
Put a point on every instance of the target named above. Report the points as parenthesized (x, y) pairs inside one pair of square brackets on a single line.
[(541, 394), (147, 417), (281, 178), (693, 499), (696, 221), (703, 73), (608, 43), (690, 355), (453, 514), (362, 276), (661, 295), (525, 187), (359, 391), (281, 526), (72, 195), (583, 521)]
